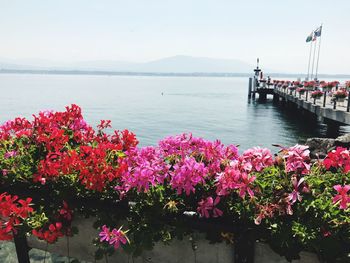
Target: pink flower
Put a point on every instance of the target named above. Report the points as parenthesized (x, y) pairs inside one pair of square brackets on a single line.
[(206, 205), (235, 177), (10, 154), (114, 237), (187, 174), (295, 195), (105, 234), (289, 209), (265, 211), (117, 237), (146, 168), (342, 196), (297, 158), (244, 185), (256, 159), (79, 124), (228, 179), (212, 153)]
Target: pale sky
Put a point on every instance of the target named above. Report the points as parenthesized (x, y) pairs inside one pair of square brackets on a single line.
[(130, 30)]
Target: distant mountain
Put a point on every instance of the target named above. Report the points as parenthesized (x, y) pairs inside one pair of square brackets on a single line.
[(175, 64), (187, 64)]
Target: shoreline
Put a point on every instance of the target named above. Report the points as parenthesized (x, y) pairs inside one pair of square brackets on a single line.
[(156, 74)]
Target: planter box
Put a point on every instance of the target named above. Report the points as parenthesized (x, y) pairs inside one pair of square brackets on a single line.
[(81, 247), (264, 254)]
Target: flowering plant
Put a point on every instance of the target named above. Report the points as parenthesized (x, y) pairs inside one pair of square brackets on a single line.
[(347, 84), (316, 94), (340, 94), (286, 200), (309, 84), (296, 83), (329, 85), (301, 90), (60, 151)]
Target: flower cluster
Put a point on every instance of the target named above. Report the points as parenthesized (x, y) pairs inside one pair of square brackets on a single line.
[(342, 196), (301, 90), (282, 83), (340, 94), (328, 85), (296, 83), (59, 227), (338, 158), (13, 211), (256, 159), (294, 202), (209, 205), (51, 234), (347, 84), (309, 84), (237, 175), (113, 237), (182, 161), (316, 94), (297, 159), (145, 168), (68, 146)]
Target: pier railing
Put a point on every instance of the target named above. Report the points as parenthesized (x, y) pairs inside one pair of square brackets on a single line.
[(322, 99), (325, 101)]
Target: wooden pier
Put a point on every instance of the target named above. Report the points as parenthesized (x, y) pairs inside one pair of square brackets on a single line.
[(327, 108)]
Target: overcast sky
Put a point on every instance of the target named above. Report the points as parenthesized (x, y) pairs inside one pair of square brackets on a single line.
[(130, 30)]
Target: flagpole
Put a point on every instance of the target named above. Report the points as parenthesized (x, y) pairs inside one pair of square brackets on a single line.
[(308, 67), (318, 55), (313, 59)]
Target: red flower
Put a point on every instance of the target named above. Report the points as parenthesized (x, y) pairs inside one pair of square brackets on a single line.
[(12, 213), (338, 158), (50, 235), (65, 212)]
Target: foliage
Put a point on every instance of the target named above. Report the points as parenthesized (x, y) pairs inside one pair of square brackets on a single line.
[(158, 193)]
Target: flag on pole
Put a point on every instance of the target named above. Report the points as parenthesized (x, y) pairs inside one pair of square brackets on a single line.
[(318, 32), (310, 37)]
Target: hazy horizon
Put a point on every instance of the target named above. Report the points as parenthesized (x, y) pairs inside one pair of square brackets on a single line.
[(130, 31)]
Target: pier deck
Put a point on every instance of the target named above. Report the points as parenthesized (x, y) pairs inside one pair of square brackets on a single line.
[(325, 107)]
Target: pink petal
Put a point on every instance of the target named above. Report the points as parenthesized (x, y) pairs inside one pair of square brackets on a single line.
[(338, 187), (217, 200)]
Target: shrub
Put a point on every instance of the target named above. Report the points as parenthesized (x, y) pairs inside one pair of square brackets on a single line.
[(285, 200)]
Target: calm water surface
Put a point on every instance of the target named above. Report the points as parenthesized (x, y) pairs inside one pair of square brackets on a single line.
[(155, 107)]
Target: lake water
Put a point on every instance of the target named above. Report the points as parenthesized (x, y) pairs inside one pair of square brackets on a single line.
[(155, 107)]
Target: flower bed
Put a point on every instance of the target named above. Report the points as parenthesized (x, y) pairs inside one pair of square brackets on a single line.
[(59, 165)]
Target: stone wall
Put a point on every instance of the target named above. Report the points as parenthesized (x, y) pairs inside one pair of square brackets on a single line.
[(197, 250), (320, 146)]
